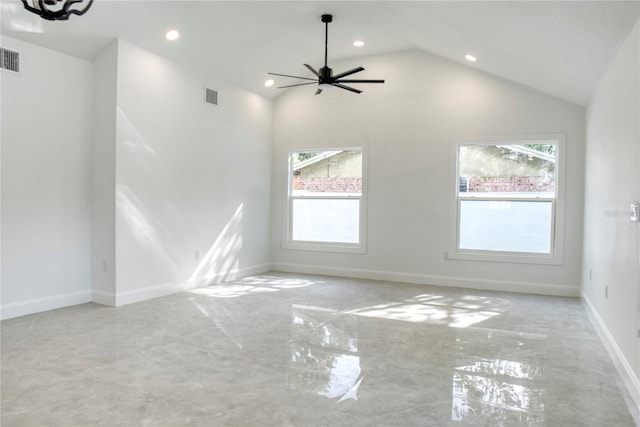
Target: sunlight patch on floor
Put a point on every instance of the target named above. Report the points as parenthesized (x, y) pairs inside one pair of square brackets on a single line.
[(251, 286), (459, 312)]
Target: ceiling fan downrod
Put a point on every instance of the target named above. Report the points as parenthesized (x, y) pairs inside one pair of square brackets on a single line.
[(326, 19)]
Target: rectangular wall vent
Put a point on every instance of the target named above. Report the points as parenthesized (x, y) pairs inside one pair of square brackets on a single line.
[(9, 60), (211, 96)]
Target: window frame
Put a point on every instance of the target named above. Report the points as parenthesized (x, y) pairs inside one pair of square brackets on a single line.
[(556, 254), (289, 243)]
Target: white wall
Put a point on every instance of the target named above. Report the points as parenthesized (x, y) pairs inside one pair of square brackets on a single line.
[(103, 176), (408, 124), (45, 181), (192, 179), (611, 240), (116, 176)]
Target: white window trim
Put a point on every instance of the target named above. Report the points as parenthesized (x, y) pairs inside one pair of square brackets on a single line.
[(556, 257), (357, 248)]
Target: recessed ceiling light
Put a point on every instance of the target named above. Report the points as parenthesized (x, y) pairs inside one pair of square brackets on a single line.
[(269, 83), (358, 43), (172, 35), (470, 58)]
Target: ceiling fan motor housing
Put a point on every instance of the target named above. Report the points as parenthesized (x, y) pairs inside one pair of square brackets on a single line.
[(326, 74)]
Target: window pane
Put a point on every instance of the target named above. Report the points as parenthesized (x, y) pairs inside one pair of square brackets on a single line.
[(509, 226), (326, 172), (326, 220), (511, 169)]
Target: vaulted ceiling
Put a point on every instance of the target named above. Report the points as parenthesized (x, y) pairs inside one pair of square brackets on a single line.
[(558, 47)]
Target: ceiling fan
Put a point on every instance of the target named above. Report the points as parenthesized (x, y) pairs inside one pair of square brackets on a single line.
[(325, 76)]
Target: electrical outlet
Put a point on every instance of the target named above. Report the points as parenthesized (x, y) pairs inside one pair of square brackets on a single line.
[(635, 212), (104, 266), (606, 291), (590, 274)]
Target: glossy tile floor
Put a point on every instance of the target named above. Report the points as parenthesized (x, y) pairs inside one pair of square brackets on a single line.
[(281, 349)]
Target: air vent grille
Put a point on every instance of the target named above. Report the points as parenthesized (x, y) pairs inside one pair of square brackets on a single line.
[(211, 96), (9, 60)]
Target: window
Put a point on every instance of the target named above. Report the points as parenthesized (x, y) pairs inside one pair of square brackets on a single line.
[(326, 209), (507, 200)]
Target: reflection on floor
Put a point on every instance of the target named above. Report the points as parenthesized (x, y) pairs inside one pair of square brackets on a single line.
[(324, 353), (499, 376), (283, 349)]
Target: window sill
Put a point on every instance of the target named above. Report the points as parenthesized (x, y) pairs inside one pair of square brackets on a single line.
[(325, 247), (507, 257)]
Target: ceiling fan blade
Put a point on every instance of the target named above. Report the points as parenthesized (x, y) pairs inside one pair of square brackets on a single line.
[(312, 69), (341, 86), (348, 73), (319, 91), (298, 84), (359, 81), (295, 77)]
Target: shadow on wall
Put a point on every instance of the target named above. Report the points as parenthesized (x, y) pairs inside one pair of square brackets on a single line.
[(222, 260), (155, 202), (142, 179), (220, 263), (145, 229)]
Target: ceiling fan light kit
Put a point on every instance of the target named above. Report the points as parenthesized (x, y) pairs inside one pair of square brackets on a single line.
[(57, 10), (325, 76)]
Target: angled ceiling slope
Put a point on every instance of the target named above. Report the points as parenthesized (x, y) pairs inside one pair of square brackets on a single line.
[(560, 48)]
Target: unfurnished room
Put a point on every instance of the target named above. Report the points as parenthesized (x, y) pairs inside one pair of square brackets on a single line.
[(320, 213)]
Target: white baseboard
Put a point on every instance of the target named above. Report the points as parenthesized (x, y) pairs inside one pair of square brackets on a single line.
[(37, 305), (155, 291), (22, 308), (425, 279), (104, 298), (629, 378)]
